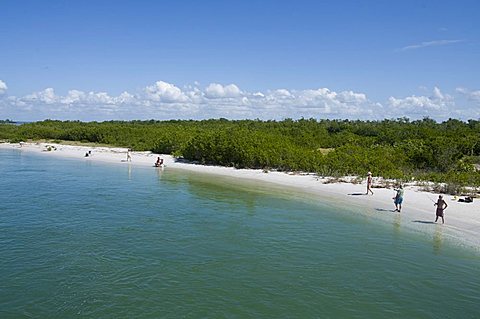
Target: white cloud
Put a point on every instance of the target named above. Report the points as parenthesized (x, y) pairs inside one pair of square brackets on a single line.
[(165, 92), (436, 105), (163, 100), (3, 87), (217, 91), (73, 96), (470, 95), (125, 97), (437, 94), (100, 98), (475, 95), (46, 96), (430, 44), (282, 93), (352, 97), (318, 103)]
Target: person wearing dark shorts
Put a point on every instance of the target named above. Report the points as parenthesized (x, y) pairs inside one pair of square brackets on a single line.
[(441, 206), (398, 199)]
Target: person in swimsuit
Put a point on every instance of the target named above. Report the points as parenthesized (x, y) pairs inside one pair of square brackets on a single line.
[(369, 183), (441, 206), (159, 162)]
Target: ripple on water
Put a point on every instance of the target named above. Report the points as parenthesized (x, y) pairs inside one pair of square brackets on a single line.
[(101, 241)]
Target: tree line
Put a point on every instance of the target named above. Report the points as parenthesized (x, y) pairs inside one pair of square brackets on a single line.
[(402, 149)]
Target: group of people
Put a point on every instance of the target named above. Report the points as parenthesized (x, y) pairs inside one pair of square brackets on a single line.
[(398, 199), (159, 162)]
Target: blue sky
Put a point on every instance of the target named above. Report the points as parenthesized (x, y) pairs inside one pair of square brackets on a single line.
[(100, 60)]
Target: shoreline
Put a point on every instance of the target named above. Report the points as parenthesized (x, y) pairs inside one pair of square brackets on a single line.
[(462, 220)]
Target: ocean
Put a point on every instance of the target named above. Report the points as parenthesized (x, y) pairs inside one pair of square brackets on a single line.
[(96, 240)]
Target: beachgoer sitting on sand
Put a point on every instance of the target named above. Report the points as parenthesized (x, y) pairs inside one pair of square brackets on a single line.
[(159, 162), (467, 199), (441, 206), (398, 199), (86, 154)]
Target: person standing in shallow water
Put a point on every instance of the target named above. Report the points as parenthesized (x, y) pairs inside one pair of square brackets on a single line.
[(369, 183), (398, 199), (441, 206)]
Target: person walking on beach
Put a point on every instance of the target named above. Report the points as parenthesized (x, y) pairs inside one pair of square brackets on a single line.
[(441, 206), (398, 199), (369, 183), (129, 156)]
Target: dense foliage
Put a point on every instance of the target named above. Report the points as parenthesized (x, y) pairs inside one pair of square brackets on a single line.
[(402, 149)]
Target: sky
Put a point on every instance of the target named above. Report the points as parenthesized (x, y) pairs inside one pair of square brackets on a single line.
[(124, 60)]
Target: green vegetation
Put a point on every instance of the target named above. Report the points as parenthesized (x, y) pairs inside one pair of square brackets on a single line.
[(402, 149)]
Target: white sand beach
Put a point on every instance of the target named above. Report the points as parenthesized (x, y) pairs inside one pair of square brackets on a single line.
[(462, 220)]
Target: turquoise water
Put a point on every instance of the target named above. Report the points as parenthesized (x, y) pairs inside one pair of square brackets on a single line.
[(93, 240)]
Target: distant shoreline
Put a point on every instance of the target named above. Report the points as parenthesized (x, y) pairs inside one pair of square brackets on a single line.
[(462, 220), (17, 123)]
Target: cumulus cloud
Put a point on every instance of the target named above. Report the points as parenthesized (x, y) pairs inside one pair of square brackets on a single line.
[(437, 104), (282, 93), (46, 96), (217, 91), (163, 100), (3, 87), (73, 96), (165, 92)]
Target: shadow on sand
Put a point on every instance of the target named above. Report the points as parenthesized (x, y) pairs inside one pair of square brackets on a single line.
[(423, 222), (357, 194), (385, 210)]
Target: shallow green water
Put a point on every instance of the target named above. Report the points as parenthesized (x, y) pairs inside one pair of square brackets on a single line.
[(91, 240)]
